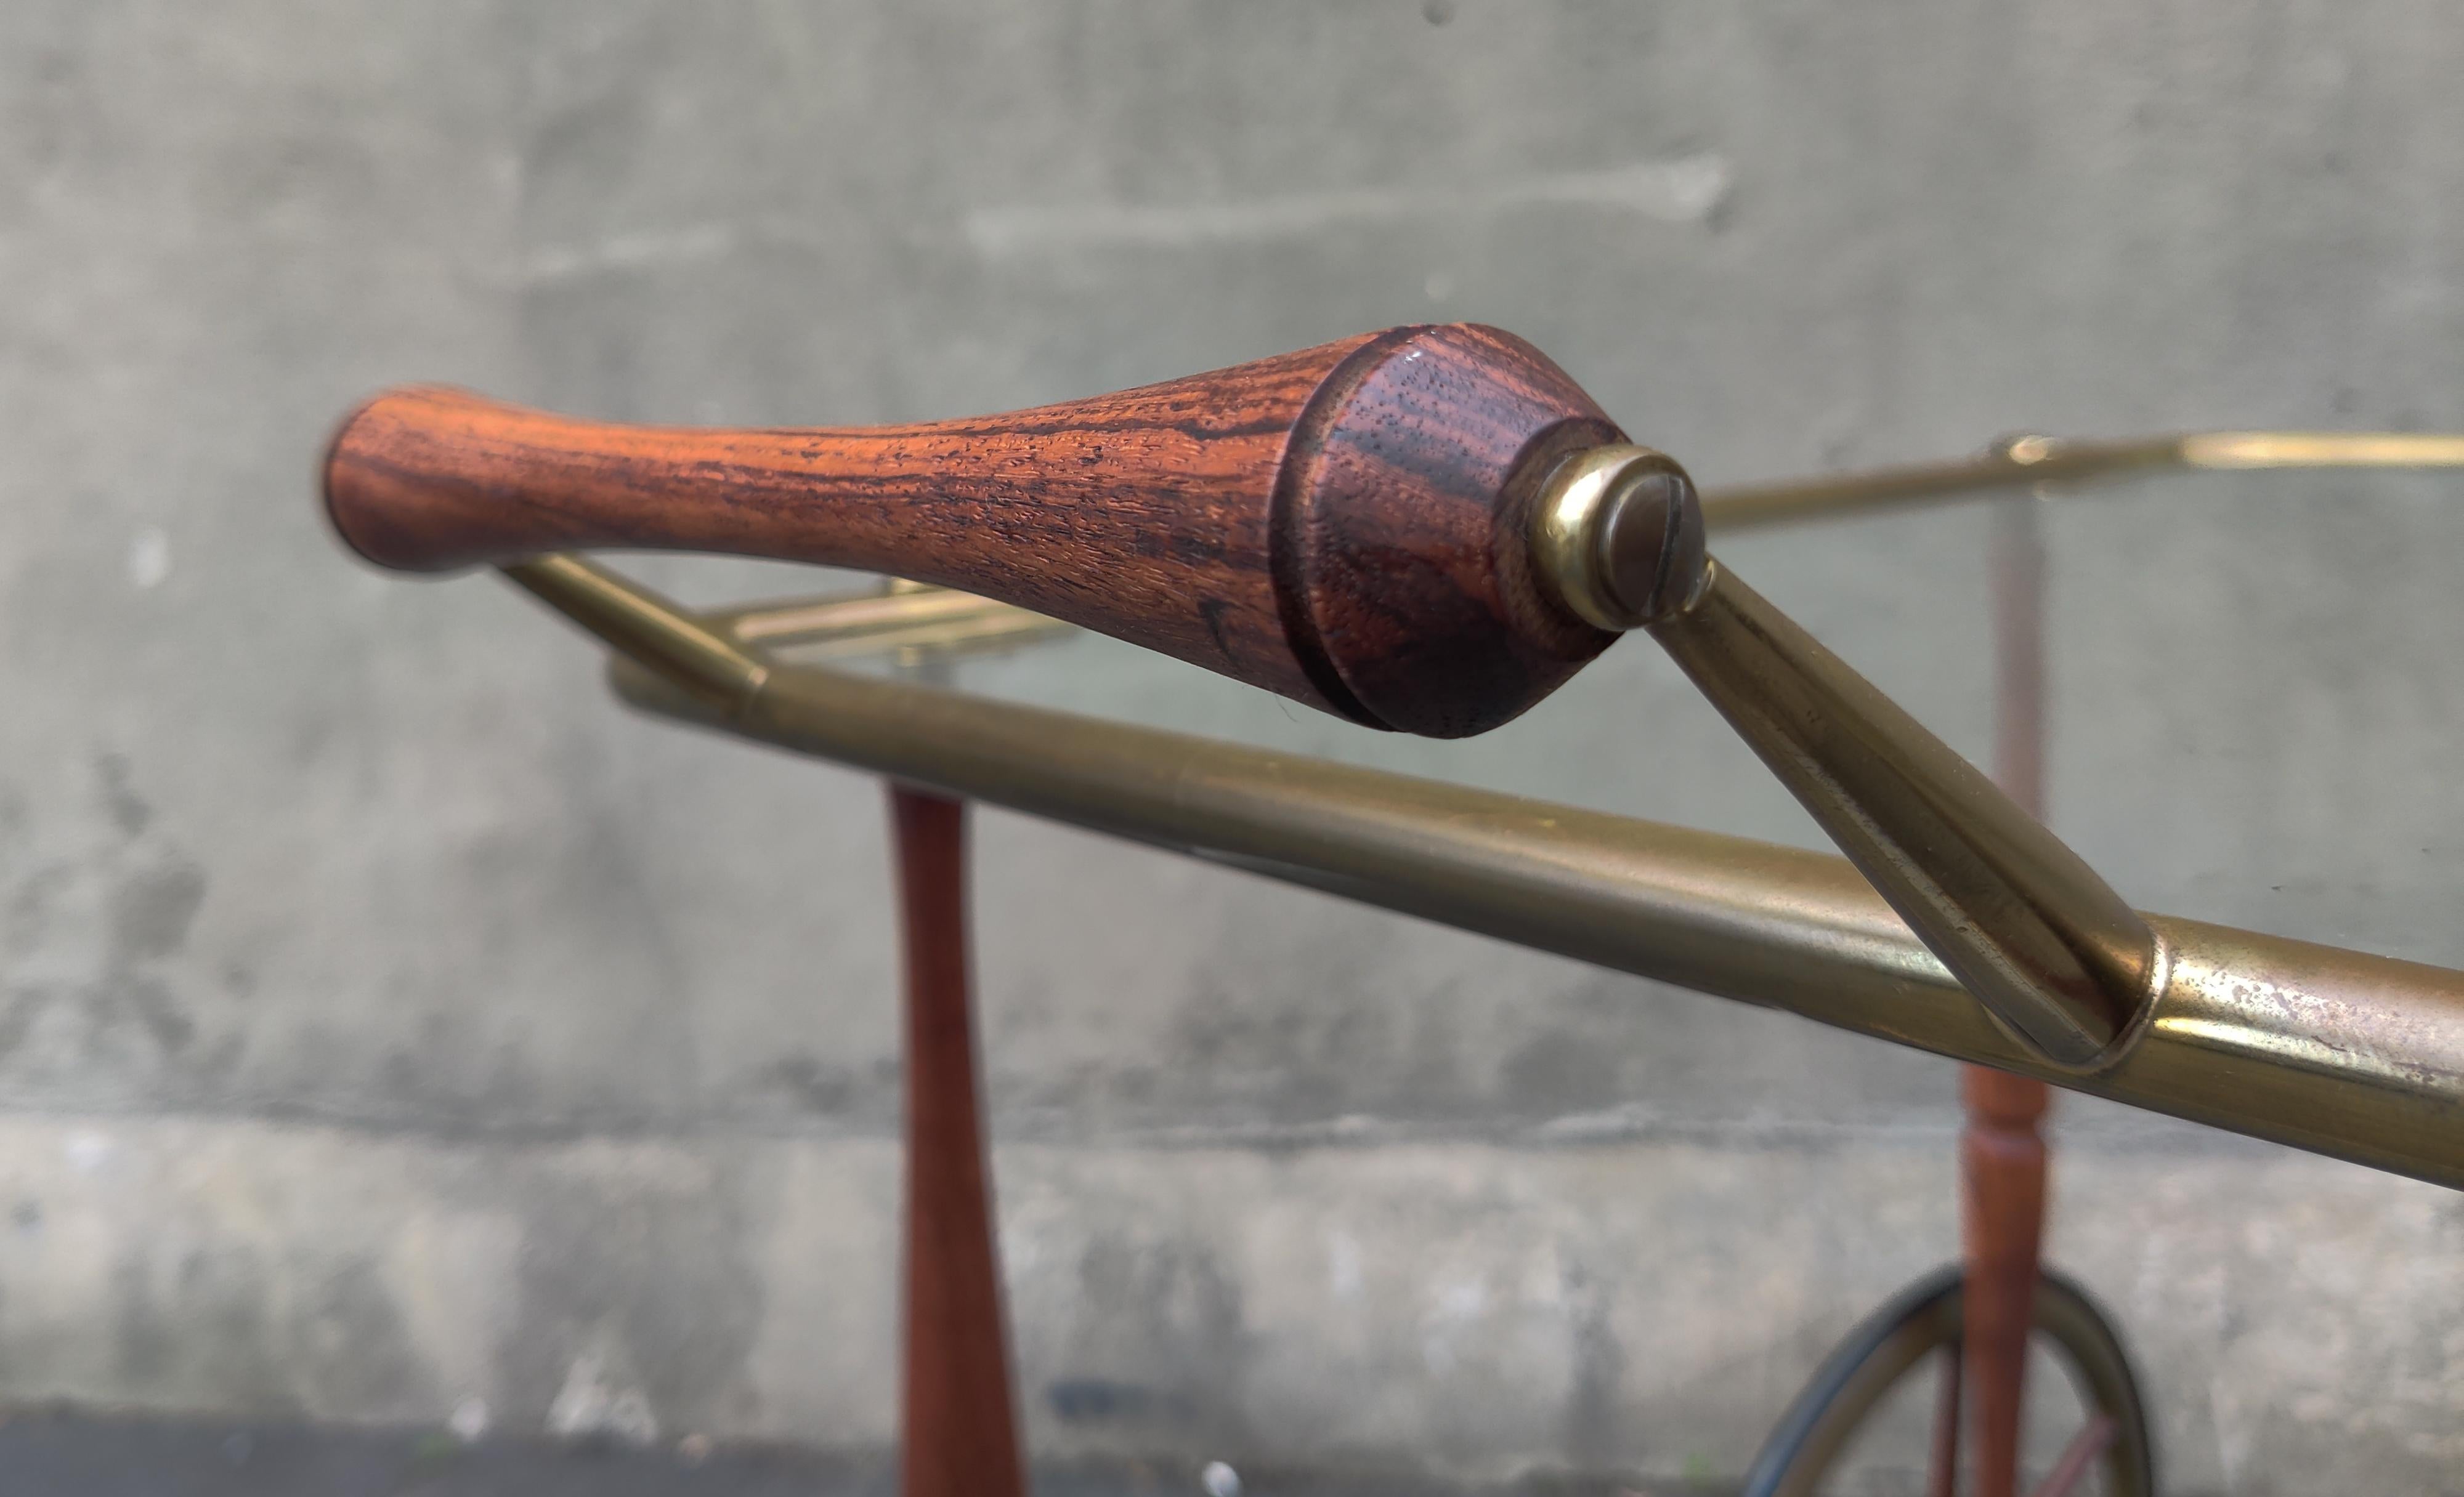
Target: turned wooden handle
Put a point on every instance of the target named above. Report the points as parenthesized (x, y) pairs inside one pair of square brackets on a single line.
[(1343, 524)]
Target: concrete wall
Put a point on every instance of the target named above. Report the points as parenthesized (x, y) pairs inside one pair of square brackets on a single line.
[(389, 1024)]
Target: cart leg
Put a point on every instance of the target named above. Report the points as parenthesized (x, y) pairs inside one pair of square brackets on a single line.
[(1942, 1469), (2001, 1153), (2002, 1210), (960, 1430)]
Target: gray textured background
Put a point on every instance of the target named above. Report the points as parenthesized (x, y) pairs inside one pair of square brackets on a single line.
[(387, 1023)]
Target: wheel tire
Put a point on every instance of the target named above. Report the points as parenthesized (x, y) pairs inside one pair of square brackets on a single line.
[(1923, 1318)]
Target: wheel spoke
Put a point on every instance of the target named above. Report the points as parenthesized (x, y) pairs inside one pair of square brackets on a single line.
[(1943, 1480), (2080, 1454)]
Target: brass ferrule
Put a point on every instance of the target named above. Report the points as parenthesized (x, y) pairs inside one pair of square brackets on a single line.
[(1618, 535)]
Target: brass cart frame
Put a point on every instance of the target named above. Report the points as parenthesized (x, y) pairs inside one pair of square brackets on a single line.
[(1988, 941)]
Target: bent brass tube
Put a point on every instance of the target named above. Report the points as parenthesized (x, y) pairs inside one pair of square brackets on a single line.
[(2356, 1056), (2040, 941), (2035, 935), (2039, 938)]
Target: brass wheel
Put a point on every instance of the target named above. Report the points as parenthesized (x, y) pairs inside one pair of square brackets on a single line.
[(1922, 1320)]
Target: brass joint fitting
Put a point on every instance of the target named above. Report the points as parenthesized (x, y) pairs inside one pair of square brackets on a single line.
[(1618, 535)]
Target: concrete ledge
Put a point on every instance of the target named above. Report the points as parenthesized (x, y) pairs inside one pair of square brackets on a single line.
[(1636, 1308)]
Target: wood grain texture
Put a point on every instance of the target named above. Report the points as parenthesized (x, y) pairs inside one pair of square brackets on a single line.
[(1403, 506), (958, 1414), (1342, 524)]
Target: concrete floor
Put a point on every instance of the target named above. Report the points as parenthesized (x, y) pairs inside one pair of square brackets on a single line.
[(71, 1455), (90, 1457)]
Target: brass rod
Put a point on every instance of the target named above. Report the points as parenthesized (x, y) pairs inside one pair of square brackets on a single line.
[(2339, 1053), (2046, 459), (2243, 450), (2038, 937), (681, 647), (2029, 460), (971, 634), (855, 614)]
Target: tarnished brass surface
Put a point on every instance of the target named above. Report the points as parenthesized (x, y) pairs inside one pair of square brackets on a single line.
[(2339, 1053), (2051, 459), (904, 618), (2037, 936), (2343, 1053), (698, 657), (724, 653), (2039, 939)]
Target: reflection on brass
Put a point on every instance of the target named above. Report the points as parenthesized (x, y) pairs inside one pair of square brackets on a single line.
[(2339, 1053), (2030, 928), (904, 618), (2249, 449), (1617, 531), (2041, 939), (648, 628), (2050, 459)]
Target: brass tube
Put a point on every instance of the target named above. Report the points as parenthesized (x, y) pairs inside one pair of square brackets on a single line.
[(2356, 1056), (2029, 460), (2343, 1053), (906, 618), (2047, 460), (693, 654), (2243, 450), (2037, 936), (2041, 939)]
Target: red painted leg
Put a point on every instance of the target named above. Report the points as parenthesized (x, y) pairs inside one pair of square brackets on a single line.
[(2001, 1154), (1941, 1473), (2002, 1178), (960, 1435)]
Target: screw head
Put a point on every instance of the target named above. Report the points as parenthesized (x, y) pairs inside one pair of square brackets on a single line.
[(1619, 534)]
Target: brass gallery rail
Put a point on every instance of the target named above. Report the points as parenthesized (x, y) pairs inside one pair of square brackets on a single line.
[(2337, 1051), (1427, 530), (2023, 461)]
